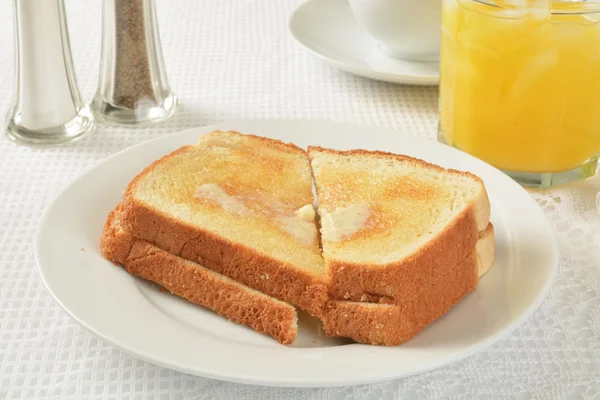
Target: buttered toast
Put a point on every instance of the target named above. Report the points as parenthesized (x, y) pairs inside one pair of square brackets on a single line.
[(229, 223), (390, 223), (240, 205), (197, 284)]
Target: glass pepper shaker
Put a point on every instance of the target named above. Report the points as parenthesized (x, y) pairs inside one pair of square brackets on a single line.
[(47, 108), (133, 85)]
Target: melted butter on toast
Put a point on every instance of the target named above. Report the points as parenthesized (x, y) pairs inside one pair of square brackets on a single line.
[(299, 223), (344, 222)]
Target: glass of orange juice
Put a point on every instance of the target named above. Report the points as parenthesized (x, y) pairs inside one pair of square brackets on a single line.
[(520, 86)]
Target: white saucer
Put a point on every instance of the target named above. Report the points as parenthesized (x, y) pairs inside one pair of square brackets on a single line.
[(328, 29), (137, 317)]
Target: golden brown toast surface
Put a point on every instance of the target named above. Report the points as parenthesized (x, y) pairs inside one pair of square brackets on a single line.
[(240, 205), (407, 201), (232, 184), (390, 222)]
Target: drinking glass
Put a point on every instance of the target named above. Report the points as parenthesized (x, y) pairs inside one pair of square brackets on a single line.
[(520, 86)]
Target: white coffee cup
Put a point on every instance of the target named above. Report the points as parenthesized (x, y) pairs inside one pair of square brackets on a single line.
[(405, 29)]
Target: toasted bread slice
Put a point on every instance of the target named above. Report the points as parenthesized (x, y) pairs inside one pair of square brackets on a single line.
[(391, 325), (197, 284), (240, 205), (390, 223)]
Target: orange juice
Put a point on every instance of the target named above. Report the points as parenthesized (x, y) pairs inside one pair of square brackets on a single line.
[(520, 82)]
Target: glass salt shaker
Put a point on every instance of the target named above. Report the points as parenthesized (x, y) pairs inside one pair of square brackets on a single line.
[(47, 108), (133, 85)]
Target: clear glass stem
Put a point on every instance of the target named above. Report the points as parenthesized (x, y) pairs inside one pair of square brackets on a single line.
[(133, 85), (47, 108)]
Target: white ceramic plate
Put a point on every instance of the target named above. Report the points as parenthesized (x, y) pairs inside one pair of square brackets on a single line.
[(137, 317), (327, 29)]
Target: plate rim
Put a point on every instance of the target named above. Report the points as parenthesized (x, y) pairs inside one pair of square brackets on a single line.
[(319, 382), (359, 70)]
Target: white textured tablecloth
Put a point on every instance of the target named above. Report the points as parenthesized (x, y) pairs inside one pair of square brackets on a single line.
[(234, 59)]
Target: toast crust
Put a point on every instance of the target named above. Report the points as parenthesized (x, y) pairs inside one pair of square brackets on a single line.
[(198, 285), (486, 251), (233, 260), (268, 141), (392, 325), (402, 280), (115, 243)]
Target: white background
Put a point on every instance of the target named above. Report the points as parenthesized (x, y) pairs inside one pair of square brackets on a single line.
[(233, 59)]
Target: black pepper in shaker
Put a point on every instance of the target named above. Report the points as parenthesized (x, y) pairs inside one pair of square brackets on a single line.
[(133, 85)]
